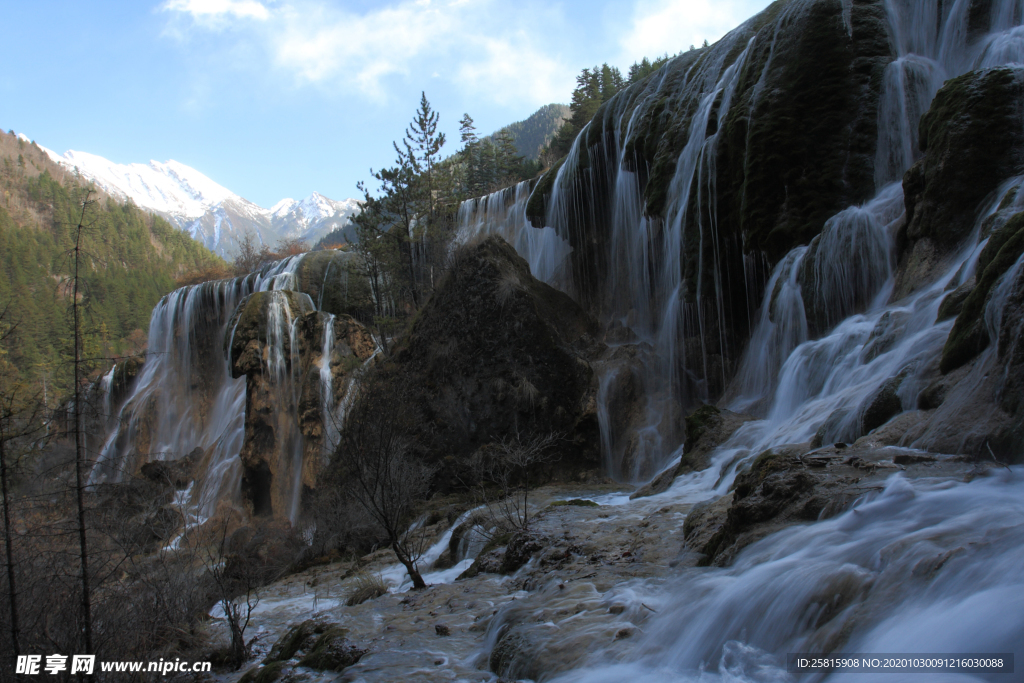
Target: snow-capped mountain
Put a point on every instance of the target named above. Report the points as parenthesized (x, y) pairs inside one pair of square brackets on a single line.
[(208, 211), (313, 217)]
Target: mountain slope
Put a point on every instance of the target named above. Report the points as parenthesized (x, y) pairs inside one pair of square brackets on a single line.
[(132, 259), (209, 212), (535, 131)]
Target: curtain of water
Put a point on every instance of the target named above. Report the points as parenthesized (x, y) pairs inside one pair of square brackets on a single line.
[(185, 397)]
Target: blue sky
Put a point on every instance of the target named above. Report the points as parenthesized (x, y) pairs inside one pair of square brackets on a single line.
[(278, 98)]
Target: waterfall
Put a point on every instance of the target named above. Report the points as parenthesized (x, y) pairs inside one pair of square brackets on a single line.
[(327, 386), (504, 213), (185, 397), (663, 277)]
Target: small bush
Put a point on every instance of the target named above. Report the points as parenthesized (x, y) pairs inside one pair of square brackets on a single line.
[(367, 587)]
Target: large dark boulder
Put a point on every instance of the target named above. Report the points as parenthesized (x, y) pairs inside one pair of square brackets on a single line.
[(496, 355)]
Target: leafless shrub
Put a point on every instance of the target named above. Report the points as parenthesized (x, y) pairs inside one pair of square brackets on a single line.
[(383, 474), (503, 473)]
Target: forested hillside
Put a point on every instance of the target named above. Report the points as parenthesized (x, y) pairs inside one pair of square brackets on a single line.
[(532, 133), (131, 260)]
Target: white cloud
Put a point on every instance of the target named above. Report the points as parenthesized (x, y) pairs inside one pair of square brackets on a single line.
[(673, 25), (210, 9), (515, 71), (481, 45)]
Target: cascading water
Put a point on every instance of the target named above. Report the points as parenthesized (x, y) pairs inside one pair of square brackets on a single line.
[(186, 399), (825, 341), (643, 291), (924, 567), (504, 213)]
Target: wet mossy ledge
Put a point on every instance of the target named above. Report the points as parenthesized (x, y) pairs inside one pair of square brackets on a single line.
[(969, 335), (973, 139)]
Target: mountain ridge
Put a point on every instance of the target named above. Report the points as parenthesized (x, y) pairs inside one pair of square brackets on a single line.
[(209, 212)]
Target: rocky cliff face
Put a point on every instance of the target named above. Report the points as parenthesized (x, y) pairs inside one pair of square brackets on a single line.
[(245, 376), (278, 345), (728, 158)]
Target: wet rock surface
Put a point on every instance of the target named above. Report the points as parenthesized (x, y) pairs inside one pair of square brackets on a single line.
[(973, 140), (796, 484), (283, 401)]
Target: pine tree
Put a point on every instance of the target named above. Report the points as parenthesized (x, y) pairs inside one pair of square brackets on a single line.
[(508, 161), (423, 152)]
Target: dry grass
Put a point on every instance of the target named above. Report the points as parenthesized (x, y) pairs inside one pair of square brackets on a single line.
[(366, 587)]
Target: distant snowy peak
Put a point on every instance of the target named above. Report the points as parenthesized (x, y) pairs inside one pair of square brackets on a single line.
[(170, 188), (313, 217), (208, 211), (282, 207)]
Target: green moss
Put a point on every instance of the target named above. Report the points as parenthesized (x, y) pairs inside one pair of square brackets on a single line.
[(969, 337), (263, 674), (578, 502), (972, 133), (331, 652)]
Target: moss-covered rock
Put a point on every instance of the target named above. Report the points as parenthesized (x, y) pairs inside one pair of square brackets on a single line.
[(537, 205), (495, 353), (707, 428), (779, 488), (298, 637), (798, 144), (250, 327), (969, 336), (332, 280), (332, 651), (973, 138)]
